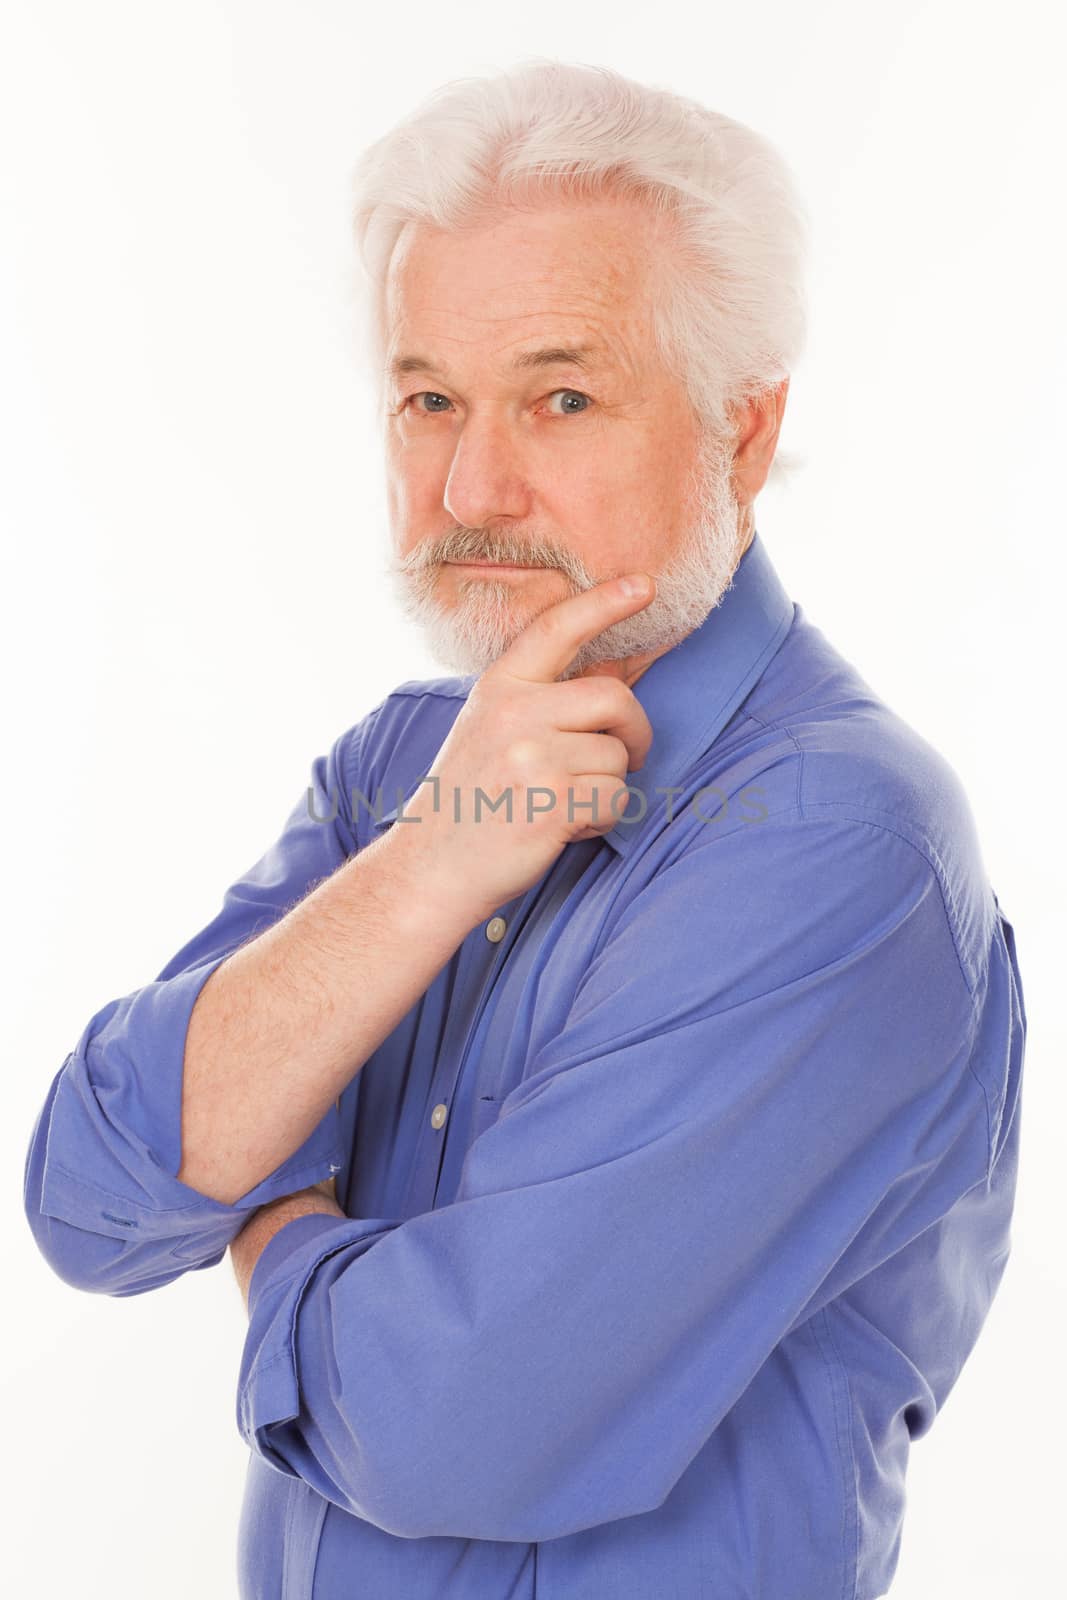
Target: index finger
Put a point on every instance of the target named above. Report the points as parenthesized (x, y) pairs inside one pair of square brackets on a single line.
[(551, 640)]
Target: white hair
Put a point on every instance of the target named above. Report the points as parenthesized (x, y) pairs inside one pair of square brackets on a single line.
[(730, 313)]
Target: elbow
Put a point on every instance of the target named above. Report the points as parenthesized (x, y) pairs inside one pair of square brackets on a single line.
[(101, 1263), (79, 1258), (90, 1245), (103, 1224), (97, 1264)]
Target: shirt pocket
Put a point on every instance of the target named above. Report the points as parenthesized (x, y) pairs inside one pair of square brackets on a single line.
[(485, 1112)]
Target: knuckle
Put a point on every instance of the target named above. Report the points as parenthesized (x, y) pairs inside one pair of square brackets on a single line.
[(484, 689), (614, 698), (592, 802), (522, 755), (587, 695), (620, 755), (492, 696)]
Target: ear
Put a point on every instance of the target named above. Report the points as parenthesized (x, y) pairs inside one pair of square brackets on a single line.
[(761, 423)]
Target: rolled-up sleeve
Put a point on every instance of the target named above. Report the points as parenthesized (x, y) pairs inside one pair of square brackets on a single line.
[(100, 1187), (761, 1091)]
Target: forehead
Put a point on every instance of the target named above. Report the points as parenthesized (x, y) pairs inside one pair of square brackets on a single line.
[(577, 271)]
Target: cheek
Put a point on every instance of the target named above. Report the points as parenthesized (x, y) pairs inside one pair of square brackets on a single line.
[(628, 512), (656, 481), (591, 508), (583, 493), (410, 489)]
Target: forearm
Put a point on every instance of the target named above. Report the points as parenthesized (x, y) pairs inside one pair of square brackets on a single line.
[(246, 1248), (281, 1027)]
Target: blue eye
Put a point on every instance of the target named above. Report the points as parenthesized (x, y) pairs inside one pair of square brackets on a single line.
[(575, 394), (436, 411), (430, 395)]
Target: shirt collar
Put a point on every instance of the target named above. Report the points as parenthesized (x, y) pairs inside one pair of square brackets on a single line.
[(690, 692)]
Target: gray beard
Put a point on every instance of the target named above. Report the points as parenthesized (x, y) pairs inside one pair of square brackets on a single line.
[(468, 636)]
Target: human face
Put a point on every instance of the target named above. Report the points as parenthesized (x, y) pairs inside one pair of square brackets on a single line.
[(501, 448)]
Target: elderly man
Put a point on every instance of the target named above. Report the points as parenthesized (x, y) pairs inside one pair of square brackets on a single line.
[(615, 1136)]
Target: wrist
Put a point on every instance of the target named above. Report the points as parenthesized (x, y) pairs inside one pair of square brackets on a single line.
[(264, 1223), (415, 883), (247, 1247)]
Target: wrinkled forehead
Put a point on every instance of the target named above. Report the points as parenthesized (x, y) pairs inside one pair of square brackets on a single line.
[(577, 272)]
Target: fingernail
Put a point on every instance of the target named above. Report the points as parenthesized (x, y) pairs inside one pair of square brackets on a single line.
[(637, 583)]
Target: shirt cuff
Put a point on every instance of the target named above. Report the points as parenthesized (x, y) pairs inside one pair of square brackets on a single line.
[(277, 1250), (102, 1170), (268, 1389)]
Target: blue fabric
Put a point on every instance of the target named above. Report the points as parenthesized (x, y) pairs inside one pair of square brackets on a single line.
[(723, 1194)]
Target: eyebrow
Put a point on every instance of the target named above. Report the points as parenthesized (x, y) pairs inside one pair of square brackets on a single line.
[(587, 357)]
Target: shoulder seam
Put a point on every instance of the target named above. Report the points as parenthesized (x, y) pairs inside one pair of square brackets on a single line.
[(925, 850), (780, 727), (934, 862)]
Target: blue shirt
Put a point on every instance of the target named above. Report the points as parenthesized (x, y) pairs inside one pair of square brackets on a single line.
[(672, 1214)]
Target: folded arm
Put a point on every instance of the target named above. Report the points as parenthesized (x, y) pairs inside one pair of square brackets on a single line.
[(215, 1089), (761, 1092)]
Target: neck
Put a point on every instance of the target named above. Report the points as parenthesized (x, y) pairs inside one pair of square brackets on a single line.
[(748, 529)]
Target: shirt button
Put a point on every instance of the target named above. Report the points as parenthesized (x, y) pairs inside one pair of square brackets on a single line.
[(495, 929), (438, 1115)]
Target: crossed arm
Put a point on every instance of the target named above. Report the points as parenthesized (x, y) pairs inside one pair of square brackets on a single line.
[(259, 1230), (784, 1100)]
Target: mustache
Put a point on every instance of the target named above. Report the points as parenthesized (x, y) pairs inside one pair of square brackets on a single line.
[(471, 544), (708, 490)]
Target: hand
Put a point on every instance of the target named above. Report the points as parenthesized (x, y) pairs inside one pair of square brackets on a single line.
[(521, 729)]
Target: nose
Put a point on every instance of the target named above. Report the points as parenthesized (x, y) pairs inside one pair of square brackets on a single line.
[(486, 479)]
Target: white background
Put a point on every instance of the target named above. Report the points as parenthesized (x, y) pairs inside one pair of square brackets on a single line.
[(194, 606)]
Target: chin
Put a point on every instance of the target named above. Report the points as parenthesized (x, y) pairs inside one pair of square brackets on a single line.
[(468, 622)]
